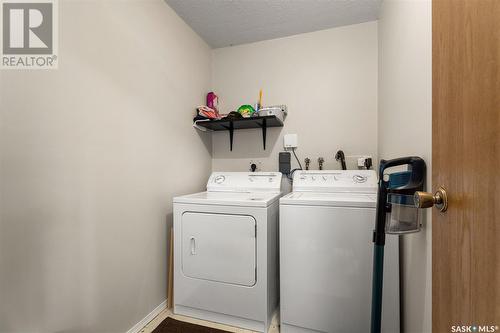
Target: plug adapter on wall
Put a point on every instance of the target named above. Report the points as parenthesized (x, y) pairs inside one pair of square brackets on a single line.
[(290, 141)]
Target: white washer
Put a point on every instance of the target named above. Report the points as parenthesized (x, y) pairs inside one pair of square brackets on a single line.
[(225, 250), (326, 255)]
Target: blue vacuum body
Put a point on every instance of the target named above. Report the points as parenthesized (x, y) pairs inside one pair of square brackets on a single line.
[(402, 183)]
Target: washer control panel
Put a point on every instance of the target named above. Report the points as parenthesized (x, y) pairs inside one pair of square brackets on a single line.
[(244, 181), (335, 181)]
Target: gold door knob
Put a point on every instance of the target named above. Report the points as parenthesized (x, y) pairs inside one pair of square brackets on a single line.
[(426, 199)]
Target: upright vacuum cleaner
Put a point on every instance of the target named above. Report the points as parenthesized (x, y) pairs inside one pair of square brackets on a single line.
[(396, 214)]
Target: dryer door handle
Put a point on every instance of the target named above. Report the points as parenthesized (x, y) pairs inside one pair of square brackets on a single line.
[(192, 242)]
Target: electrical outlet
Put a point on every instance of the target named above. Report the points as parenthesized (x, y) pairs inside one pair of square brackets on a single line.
[(357, 161), (258, 165)]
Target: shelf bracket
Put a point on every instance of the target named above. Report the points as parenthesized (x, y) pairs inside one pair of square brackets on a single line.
[(264, 132), (230, 128)]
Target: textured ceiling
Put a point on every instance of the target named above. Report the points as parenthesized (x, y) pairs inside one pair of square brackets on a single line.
[(230, 22)]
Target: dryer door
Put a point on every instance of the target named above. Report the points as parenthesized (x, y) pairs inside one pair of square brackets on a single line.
[(219, 247)]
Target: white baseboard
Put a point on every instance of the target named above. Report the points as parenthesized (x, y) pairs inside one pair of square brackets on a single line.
[(140, 325)]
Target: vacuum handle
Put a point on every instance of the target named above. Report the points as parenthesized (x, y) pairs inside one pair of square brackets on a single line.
[(417, 177), (385, 164)]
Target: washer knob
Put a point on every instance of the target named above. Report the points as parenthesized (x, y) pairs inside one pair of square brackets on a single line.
[(219, 179)]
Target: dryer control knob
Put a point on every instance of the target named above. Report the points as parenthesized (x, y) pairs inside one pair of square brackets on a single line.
[(219, 179)]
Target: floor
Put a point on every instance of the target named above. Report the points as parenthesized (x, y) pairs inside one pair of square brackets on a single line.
[(168, 313)]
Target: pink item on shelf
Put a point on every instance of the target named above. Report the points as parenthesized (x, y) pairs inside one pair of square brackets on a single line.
[(212, 101)]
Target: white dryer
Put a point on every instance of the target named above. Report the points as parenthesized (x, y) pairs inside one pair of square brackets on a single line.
[(225, 250), (326, 255)]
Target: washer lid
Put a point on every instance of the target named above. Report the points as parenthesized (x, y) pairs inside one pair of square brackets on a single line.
[(364, 200), (246, 199)]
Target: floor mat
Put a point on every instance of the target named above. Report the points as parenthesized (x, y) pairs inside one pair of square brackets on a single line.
[(170, 325)]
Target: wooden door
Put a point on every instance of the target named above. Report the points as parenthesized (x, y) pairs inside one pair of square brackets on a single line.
[(466, 161)]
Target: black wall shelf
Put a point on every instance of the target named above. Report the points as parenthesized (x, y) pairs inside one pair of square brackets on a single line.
[(243, 123)]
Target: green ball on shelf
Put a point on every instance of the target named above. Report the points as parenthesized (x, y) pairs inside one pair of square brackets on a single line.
[(246, 110)]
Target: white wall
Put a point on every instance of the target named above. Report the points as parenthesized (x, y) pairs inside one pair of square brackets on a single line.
[(90, 157), (405, 120), (328, 80)]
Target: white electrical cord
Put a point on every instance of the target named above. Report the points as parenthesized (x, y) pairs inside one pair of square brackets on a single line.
[(289, 176)]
